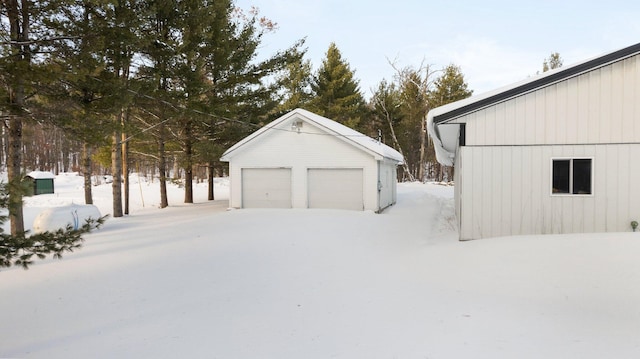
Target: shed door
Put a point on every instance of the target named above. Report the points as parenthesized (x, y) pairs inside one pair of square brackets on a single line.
[(266, 188), (340, 188)]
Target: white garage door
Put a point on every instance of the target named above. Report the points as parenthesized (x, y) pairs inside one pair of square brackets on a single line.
[(266, 188), (336, 188)]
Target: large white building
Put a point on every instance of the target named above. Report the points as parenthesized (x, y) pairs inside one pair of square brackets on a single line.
[(556, 153), (303, 160)]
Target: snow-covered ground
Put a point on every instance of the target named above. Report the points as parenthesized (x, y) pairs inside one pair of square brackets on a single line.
[(201, 282)]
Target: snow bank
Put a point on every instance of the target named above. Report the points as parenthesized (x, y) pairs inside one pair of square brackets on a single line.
[(54, 218)]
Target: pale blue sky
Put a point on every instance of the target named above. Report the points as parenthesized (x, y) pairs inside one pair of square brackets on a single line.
[(495, 42)]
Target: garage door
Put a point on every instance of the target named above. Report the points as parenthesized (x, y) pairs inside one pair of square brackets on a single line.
[(336, 188), (266, 188)]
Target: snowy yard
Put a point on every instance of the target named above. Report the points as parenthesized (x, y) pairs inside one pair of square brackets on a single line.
[(198, 281)]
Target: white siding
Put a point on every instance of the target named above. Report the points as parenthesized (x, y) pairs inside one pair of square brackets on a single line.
[(506, 190), (312, 148), (597, 107), (503, 172)]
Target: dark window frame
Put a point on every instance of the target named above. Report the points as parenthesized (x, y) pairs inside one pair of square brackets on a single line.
[(572, 182)]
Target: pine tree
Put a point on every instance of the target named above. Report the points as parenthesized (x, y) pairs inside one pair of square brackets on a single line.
[(414, 88), (296, 84), (121, 42), (77, 97), (23, 52), (386, 114), (159, 46), (203, 66), (336, 92), (449, 87)]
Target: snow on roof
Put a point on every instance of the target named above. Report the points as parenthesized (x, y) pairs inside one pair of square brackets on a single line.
[(445, 151), (350, 135), (41, 175)]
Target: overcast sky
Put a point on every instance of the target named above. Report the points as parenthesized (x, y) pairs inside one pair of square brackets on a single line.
[(495, 42)]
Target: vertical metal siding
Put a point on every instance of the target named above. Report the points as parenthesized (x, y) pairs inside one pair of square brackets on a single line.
[(504, 170), (506, 190), (600, 106)]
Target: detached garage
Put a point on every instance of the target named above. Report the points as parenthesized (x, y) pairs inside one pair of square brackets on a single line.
[(303, 160)]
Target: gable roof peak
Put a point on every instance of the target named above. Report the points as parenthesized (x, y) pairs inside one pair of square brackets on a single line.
[(331, 127)]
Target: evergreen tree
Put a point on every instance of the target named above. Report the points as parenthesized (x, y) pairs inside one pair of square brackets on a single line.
[(554, 61), (241, 92), (336, 92), (159, 47), (77, 98), (296, 84), (122, 34), (414, 105), (386, 116), (203, 68), (23, 53), (449, 87)]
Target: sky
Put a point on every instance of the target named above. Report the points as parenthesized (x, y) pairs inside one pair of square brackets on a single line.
[(495, 43)]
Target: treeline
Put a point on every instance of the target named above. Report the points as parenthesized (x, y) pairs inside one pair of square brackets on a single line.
[(165, 86)]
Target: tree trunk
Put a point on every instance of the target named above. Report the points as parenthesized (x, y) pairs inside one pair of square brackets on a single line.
[(15, 175), (423, 145), (18, 17), (188, 166), (86, 164), (125, 173), (116, 171), (210, 176), (5, 147), (162, 168), (64, 146), (188, 174)]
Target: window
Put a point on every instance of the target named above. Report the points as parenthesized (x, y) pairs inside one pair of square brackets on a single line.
[(572, 176)]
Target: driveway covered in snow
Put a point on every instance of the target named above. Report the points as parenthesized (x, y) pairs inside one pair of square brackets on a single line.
[(190, 281)]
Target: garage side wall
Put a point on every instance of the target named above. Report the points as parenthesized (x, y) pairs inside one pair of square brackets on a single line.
[(311, 148), (506, 190)]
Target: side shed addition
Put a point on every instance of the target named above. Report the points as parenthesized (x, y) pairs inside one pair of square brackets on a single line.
[(42, 182), (303, 160), (552, 154)]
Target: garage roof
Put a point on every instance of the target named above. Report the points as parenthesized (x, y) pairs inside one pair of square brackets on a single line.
[(331, 127)]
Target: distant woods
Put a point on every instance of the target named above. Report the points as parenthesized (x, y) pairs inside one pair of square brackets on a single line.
[(554, 61)]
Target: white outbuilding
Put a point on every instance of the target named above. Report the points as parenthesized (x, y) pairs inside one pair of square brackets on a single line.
[(303, 160), (555, 153)]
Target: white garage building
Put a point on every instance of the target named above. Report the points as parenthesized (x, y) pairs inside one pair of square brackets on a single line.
[(303, 160)]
